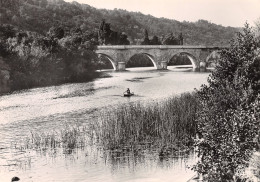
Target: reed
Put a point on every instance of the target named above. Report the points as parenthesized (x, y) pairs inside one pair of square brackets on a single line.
[(168, 123), (69, 138)]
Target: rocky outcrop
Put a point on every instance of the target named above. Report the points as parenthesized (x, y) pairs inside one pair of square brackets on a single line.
[(4, 77)]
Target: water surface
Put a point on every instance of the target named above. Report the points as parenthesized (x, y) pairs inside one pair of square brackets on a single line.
[(52, 108)]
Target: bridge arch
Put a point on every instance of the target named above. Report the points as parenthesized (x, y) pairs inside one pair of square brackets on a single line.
[(151, 57), (110, 59), (191, 57), (159, 54)]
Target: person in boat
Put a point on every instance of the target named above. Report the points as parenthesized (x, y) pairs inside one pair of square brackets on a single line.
[(128, 91)]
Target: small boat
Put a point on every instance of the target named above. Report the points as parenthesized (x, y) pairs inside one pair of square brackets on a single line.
[(128, 94)]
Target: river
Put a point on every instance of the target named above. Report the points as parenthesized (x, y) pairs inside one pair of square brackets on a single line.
[(51, 108)]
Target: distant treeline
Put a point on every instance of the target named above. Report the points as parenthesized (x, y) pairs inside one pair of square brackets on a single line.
[(40, 15)]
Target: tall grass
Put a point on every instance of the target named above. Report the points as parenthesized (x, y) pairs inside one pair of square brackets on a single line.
[(69, 138), (166, 123)]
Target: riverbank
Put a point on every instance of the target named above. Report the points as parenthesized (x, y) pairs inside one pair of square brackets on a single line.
[(7, 88)]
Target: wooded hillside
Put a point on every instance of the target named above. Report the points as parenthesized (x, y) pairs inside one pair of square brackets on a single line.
[(41, 15)]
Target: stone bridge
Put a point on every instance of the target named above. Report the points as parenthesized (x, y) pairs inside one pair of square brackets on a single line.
[(160, 55)]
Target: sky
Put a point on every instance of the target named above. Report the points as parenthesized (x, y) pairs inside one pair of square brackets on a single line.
[(222, 12)]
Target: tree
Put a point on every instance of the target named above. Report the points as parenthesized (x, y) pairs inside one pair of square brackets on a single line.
[(123, 39), (229, 117), (155, 41), (257, 31), (7, 31), (56, 32), (107, 36), (146, 40), (170, 39), (180, 39)]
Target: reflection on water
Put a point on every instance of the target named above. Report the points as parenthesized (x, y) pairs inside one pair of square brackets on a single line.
[(52, 108), (92, 164)]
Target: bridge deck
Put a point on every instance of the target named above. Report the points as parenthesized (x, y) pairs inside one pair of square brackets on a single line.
[(158, 47)]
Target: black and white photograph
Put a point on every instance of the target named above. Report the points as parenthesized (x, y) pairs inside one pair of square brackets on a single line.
[(129, 90)]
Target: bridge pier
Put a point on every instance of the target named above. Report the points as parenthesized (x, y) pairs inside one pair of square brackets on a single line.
[(121, 66), (202, 66), (159, 54)]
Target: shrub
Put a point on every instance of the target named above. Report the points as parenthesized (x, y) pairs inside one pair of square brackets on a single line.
[(229, 119)]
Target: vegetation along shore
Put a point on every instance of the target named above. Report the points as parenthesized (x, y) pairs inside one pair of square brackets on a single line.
[(221, 119)]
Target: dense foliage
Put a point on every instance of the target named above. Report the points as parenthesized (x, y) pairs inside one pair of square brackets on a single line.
[(40, 15), (106, 36), (257, 30), (169, 39), (229, 121), (37, 60)]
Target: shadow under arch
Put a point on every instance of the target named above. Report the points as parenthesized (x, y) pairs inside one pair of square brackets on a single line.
[(151, 58), (109, 58), (192, 58)]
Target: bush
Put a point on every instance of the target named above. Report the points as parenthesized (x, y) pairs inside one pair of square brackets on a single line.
[(229, 118)]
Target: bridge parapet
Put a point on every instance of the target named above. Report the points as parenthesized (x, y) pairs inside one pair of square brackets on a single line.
[(116, 47)]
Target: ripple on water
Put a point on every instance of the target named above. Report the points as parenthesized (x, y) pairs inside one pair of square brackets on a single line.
[(52, 108)]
